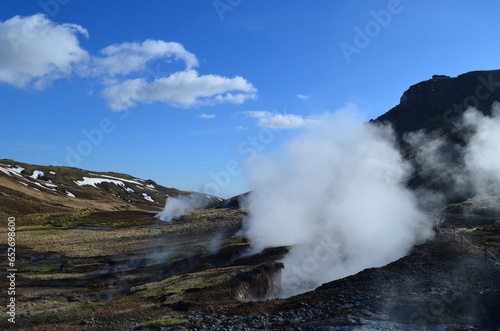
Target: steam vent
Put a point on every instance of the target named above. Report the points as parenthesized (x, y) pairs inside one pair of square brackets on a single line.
[(390, 224)]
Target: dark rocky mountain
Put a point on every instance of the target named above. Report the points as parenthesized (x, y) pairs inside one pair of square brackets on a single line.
[(435, 108), (434, 104)]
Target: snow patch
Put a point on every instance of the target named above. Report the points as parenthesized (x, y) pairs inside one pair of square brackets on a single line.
[(16, 171), (69, 194), (47, 188), (129, 189), (122, 179), (22, 183), (94, 181), (5, 171), (37, 174), (147, 197), (52, 173)]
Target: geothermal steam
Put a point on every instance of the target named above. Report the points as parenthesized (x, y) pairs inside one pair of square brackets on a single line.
[(183, 204), (337, 194), (482, 153), (462, 169)]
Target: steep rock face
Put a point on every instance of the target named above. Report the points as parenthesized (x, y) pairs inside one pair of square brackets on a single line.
[(435, 103), (263, 283), (436, 106)]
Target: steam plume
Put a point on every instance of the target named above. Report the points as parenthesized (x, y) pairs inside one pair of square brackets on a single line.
[(183, 204), (482, 153), (337, 194), (459, 171)]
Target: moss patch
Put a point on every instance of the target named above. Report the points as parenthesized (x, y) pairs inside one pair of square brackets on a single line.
[(44, 268)]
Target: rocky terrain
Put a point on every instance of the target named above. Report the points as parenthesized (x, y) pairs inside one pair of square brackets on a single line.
[(92, 255), (436, 103), (194, 273), (435, 108)]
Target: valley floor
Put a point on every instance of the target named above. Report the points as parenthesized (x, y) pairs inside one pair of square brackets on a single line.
[(127, 270)]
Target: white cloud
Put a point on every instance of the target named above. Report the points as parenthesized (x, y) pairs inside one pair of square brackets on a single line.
[(35, 50), (279, 121), (125, 58), (302, 96), (207, 116), (181, 89)]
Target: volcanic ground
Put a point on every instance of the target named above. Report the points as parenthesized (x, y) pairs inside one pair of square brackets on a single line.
[(127, 270)]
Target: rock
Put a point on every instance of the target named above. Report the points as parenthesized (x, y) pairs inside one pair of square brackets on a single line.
[(423, 104), (375, 316), (66, 265)]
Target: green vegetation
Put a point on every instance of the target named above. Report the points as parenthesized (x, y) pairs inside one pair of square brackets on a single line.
[(73, 220), (172, 289), (176, 291), (215, 281), (487, 236), (44, 268), (236, 240), (71, 177), (164, 322), (489, 240), (57, 312), (28, 169)]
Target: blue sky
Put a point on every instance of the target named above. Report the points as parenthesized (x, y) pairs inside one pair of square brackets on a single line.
[(185, 92)]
